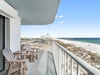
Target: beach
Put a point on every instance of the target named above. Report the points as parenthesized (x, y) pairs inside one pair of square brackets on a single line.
[(95, 48), (89, 52)]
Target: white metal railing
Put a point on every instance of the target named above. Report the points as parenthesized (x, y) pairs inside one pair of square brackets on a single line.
[(68, 63)]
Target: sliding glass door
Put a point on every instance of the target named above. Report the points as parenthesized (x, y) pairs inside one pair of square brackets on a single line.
[(2, 41)]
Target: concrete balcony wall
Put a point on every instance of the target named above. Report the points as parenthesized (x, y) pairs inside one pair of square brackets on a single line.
[(12, 30), (12, 27), (15, 24)]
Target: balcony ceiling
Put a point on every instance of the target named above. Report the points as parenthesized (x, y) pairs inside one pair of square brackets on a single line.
[(35, 12)]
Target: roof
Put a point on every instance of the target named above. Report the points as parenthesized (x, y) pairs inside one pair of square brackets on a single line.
[(35, 12)]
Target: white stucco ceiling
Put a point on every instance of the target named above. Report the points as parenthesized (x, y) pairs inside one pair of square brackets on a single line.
[(35, 12)]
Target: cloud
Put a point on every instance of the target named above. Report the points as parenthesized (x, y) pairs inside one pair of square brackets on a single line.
[(62, 22), (34, 27), (56, 16), (61, 16)]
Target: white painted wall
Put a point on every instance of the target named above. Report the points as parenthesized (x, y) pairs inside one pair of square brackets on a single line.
[(12, 26), (6, 10), (12, 37), (15, 33)]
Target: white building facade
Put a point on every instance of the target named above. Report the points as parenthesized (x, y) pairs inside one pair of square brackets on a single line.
[(14, 13), (10, 30)]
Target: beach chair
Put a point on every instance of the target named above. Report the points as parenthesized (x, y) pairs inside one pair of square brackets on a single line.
[(14, 65), (33, 51)]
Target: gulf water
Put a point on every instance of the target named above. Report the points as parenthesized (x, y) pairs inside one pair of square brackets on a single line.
[(88, 40)]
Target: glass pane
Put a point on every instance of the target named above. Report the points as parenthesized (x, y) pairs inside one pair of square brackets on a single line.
[(1, 42)]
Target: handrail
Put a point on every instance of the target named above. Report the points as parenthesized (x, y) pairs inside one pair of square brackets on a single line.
[(90, 69)]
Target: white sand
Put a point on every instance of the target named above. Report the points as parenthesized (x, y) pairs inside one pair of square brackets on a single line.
[(88, 46)]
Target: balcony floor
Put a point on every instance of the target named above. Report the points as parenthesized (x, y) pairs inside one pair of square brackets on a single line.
[(43, 66), (38, 67)]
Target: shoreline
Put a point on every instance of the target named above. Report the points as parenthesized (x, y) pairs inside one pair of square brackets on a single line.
[(95, 48)]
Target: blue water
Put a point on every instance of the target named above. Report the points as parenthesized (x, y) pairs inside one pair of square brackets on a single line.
[(88, 40)]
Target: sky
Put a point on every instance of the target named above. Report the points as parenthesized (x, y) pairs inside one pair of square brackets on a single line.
[(74, 19)]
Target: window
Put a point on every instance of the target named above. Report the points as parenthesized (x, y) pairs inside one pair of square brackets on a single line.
[(2, 42)]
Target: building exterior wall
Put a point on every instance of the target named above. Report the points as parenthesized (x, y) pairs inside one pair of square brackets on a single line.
[(6, 10), (15, 33), (12, 27), (13, 23)]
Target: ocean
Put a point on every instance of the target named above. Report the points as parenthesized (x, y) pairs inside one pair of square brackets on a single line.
[(88, 40)]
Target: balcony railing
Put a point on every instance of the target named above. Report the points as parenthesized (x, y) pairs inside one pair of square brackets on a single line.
[(68, 63)]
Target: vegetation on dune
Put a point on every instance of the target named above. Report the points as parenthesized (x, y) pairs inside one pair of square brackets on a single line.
[(88, 56)]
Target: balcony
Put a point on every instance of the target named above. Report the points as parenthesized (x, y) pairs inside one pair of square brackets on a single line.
[(68, 63), (43, 66), (53, 59)]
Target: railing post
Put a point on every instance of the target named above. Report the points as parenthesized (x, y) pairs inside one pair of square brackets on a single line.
[(58, 60), (78, 69), (71, 66), (67, 64), (64, 63), (60, 71), (61, 62)]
